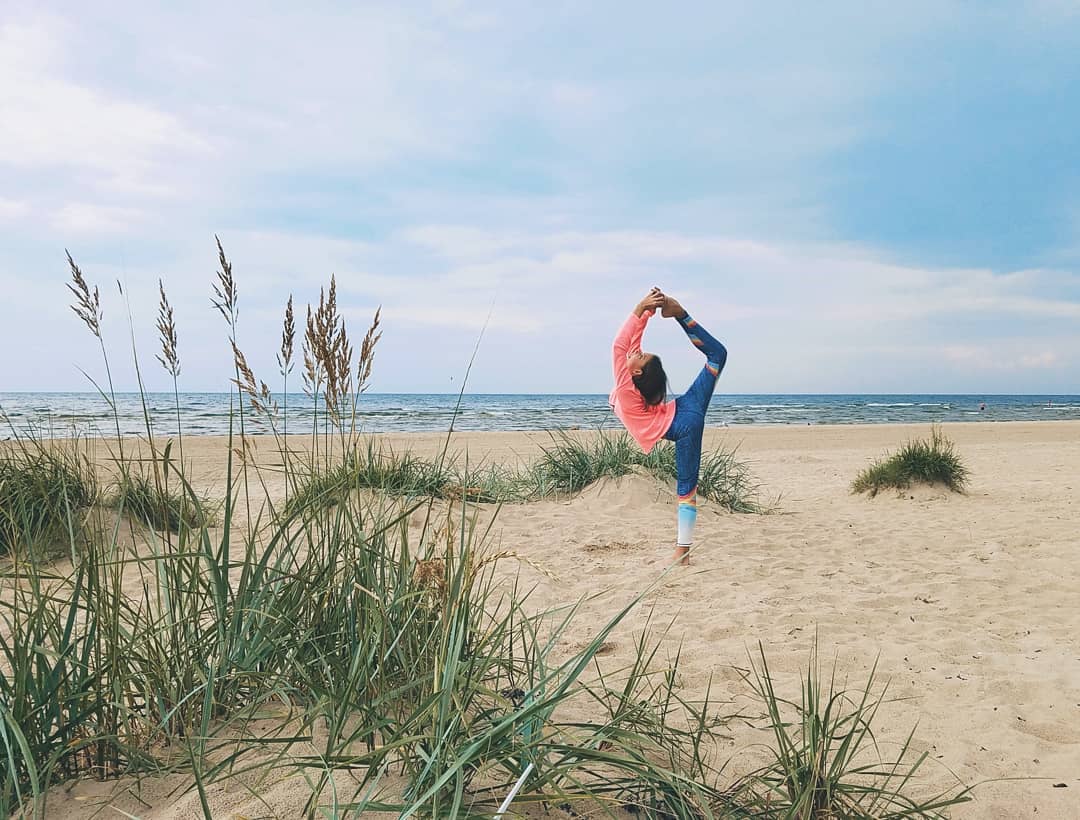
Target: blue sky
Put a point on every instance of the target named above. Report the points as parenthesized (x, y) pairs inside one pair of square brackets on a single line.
[(855, 197)]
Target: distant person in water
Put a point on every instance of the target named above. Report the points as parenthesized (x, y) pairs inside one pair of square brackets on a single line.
[(639, 400)]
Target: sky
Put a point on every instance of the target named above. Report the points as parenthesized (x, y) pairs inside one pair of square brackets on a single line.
[(854, 197)]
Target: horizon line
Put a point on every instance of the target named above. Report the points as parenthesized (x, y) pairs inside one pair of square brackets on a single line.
[(538, 393)]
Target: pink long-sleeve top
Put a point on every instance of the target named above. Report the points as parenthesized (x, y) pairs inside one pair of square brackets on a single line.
[(646, 424)]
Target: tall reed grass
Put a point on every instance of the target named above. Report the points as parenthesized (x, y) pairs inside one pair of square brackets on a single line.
[(403, 673)]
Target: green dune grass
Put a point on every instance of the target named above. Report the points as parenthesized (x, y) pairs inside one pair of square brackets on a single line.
[(925, 461)]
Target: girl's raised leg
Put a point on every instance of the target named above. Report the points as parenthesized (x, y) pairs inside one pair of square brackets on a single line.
[(715, 353), (687, 429)]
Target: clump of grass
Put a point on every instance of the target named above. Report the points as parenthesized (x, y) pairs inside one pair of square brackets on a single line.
[(571, 464), (827, 761), (158, 507), (722, 477), (318, 486), (43, 489), (566, 467), (926, 461), (315, 485)]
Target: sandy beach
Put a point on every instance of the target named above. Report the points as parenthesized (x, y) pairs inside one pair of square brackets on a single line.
[(968, 604)]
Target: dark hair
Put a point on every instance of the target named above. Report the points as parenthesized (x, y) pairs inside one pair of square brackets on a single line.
[(652, 382)]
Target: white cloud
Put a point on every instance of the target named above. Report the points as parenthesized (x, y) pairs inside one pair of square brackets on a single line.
[(53, 121), (575, 97), (1003, 358), (85, 218), (470, 318), (1045, 359), (12, 209)]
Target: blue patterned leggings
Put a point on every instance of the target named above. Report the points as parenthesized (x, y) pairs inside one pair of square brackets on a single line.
[(689, 423)]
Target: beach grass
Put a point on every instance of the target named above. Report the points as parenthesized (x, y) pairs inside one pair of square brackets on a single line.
[(570, 464), (44, 488), (368, 466), (389, 667), (565, 467), (926, 461), (825, 758), (158, 506)]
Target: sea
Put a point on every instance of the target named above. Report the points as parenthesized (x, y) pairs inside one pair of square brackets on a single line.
[(55, 415)]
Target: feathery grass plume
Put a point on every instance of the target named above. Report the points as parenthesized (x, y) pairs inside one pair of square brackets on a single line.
[(927, 461), (227, 304), (310, 374), (364, 365), (170, 360), (367, 353), (87, 303), (285, 366), (328, 356), (258, 393), (166, 326), (88, 308), (288, 334), (342, 349), (267, 398), (335, 350), (225, 291), (312, 347), (312, 370)]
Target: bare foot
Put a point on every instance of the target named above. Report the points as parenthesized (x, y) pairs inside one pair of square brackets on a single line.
[(682, 556), (672, 308)]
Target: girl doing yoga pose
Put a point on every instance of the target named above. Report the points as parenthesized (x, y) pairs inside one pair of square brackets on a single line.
[(639, 401)]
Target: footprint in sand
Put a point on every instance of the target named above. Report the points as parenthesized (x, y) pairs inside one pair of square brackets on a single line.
[(605, 648), (1050, 732), (608, 546)]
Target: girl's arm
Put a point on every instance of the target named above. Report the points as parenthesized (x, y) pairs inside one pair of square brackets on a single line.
[(628, 339), (654, 300)]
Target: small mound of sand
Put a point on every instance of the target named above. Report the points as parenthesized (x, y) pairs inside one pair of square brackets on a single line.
[(635, 491)]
